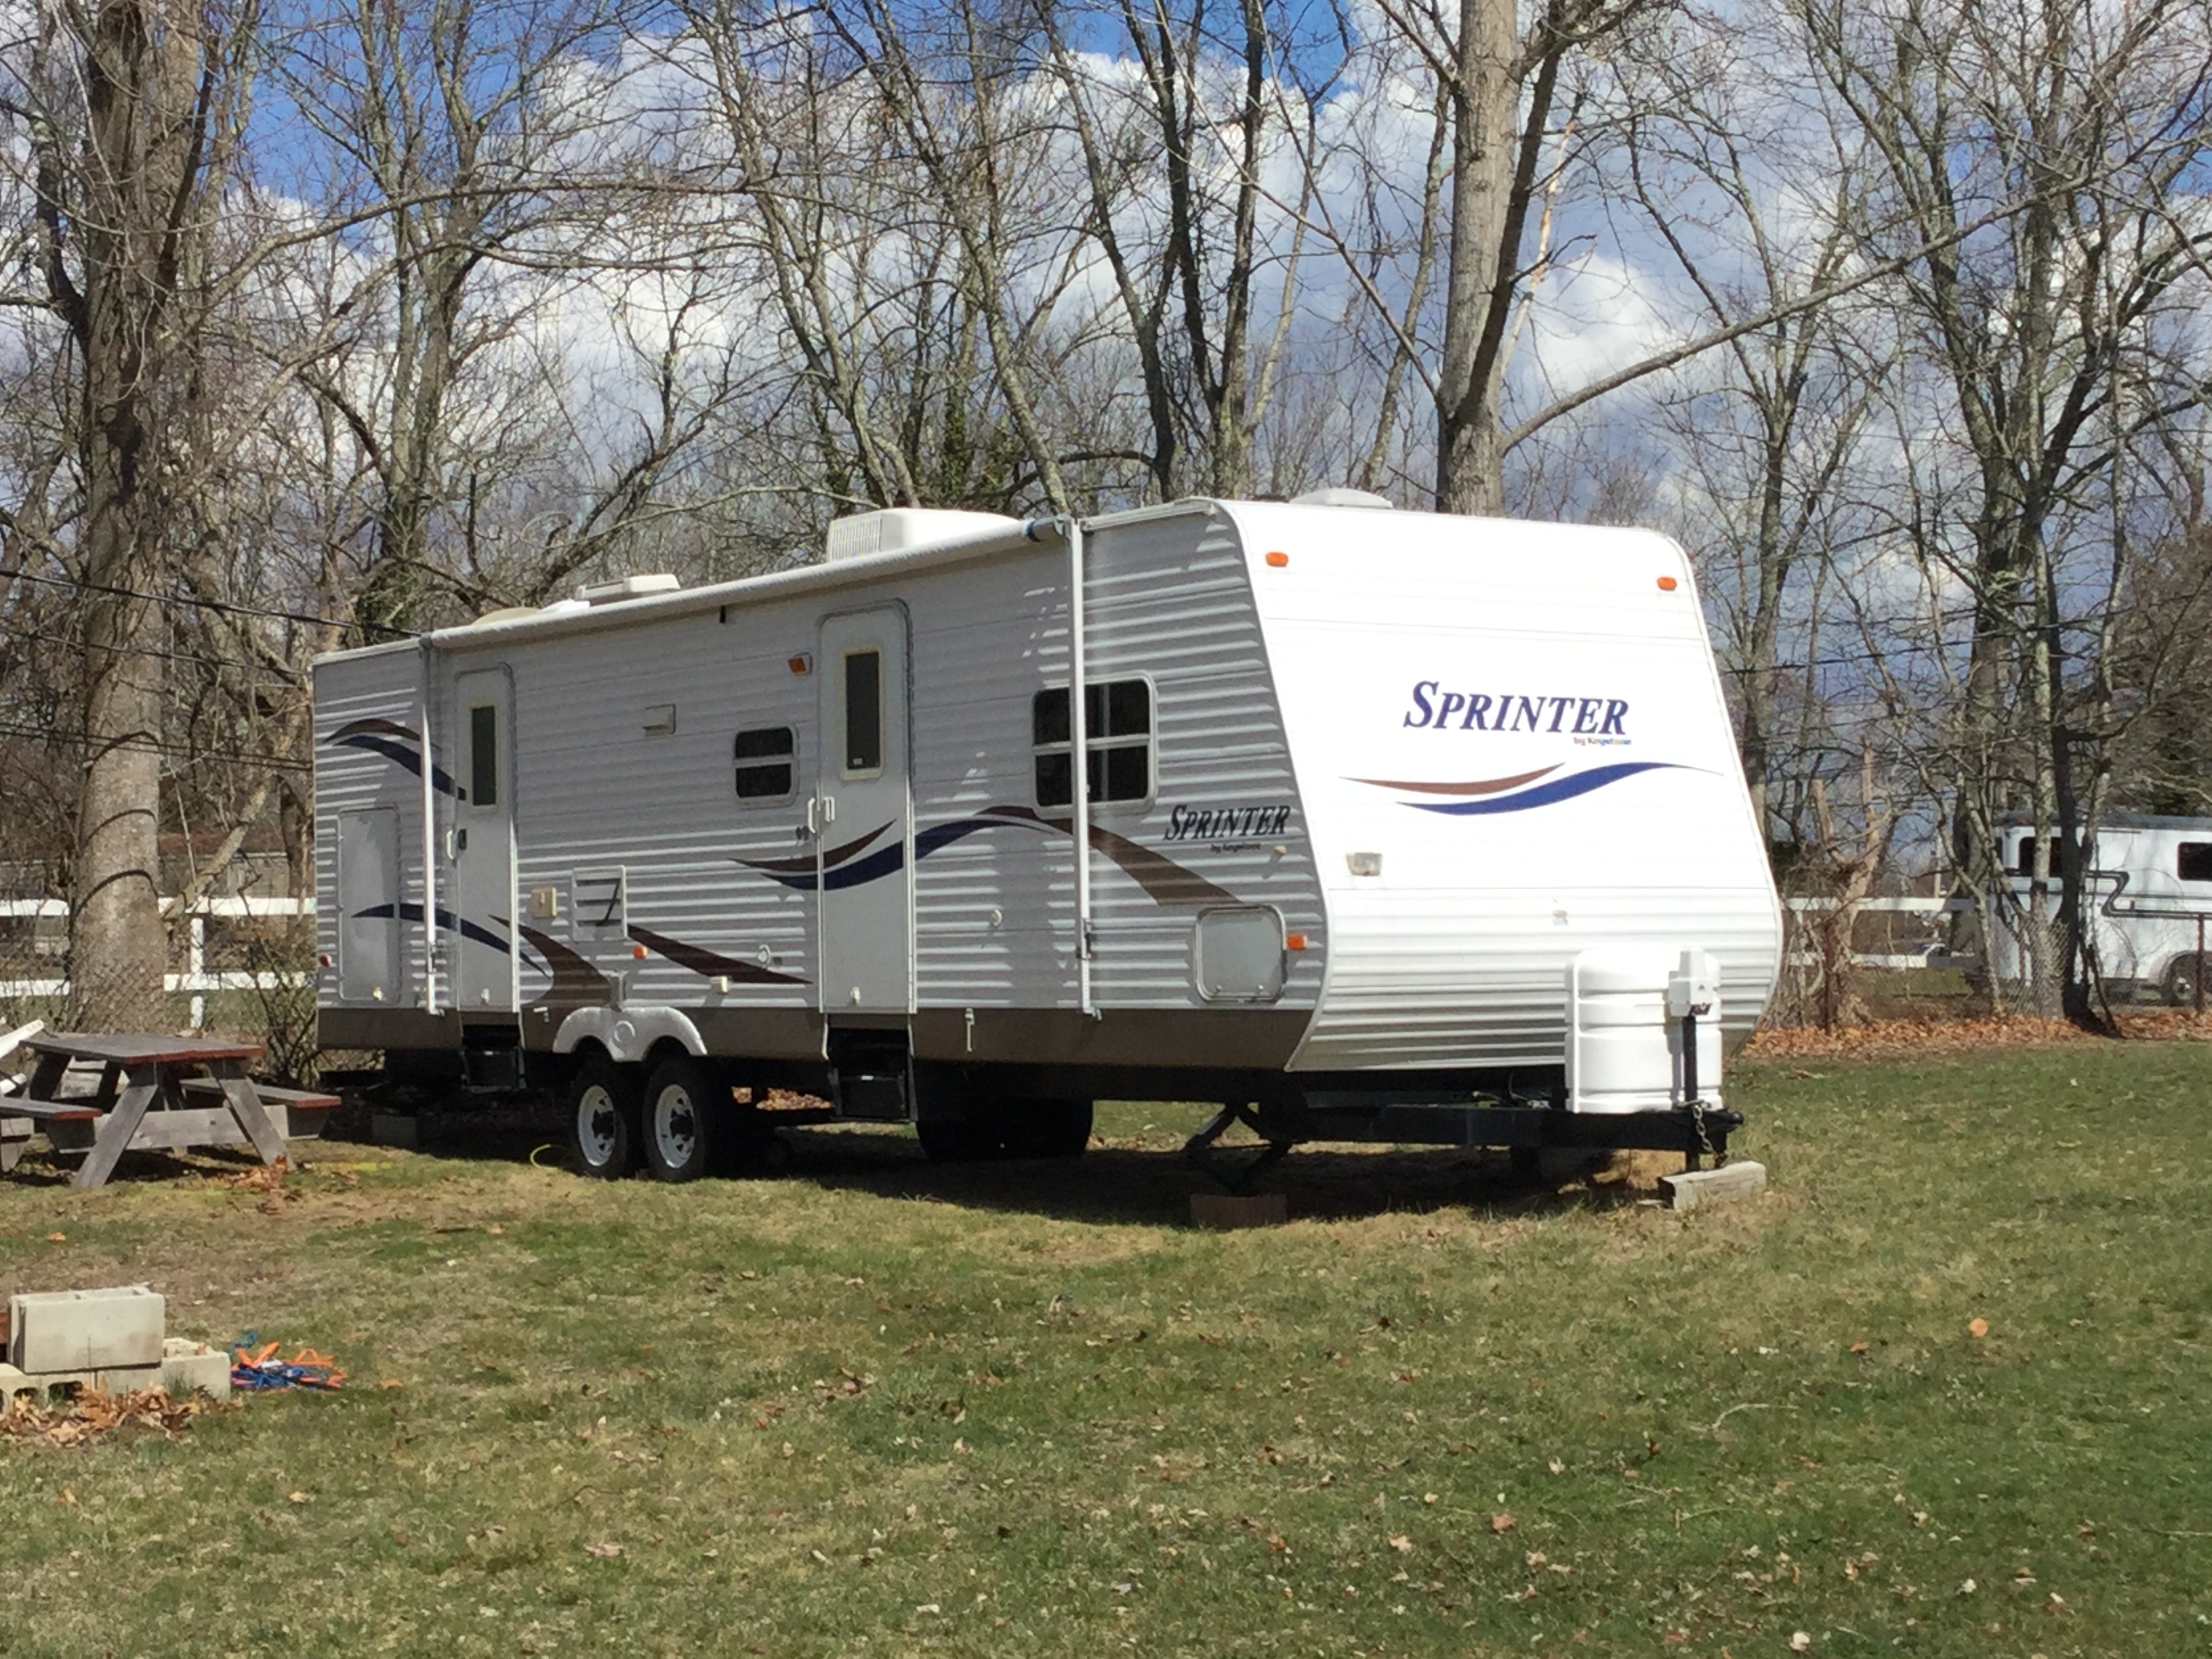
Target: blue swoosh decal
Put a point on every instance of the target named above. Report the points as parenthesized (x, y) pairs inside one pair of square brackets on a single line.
[(1546, 794), (409, 910)]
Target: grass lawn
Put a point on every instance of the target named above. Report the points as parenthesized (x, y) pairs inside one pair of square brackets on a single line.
[(877, 1406)]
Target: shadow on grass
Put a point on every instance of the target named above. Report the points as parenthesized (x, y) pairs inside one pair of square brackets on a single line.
[(1121, 1179)]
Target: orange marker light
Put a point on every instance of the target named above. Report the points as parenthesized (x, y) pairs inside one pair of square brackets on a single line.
[(1667, 584), (1294, 941), (802, 663), (1278, 560), (638, 951)]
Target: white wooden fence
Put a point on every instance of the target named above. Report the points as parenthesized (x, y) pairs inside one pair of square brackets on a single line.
[(196, 980)]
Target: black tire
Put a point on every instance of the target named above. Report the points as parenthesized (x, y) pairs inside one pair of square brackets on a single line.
[(1047, 1128), (601, 1101), (2180, 984), (685, 1109)]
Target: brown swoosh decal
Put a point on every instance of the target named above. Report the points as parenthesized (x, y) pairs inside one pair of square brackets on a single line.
[(708, 962), (805, 866), (1164, 881), (1484, 786), (576, 983)]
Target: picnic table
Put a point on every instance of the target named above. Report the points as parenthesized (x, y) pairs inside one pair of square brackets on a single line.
[(144, 1099)]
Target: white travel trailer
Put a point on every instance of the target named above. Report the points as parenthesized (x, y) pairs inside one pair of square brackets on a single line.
[(2148, 898), (1401, 826)]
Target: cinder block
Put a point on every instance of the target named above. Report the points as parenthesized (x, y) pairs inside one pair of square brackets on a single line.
[(85, 1330), (127, 1379), (40, 1385), (1694, 1189), (1226, 1210), (189, 1366)]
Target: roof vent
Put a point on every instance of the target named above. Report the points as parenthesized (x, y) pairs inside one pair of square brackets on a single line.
[(1337, 495), (628, 587), (504, 614), (895, 529)]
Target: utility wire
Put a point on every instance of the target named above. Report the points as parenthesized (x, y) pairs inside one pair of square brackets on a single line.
[(229, 605), (275, 762)]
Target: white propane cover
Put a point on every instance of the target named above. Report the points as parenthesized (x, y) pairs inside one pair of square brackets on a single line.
[(1623, 1044)]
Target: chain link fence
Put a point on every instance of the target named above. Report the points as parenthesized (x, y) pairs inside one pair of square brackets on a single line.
[(237, 967)]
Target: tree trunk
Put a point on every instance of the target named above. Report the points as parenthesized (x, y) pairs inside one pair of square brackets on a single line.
[(1485, 126), (143, 157)]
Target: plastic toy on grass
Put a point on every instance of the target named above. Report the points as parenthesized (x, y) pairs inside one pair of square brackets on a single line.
[(257, 1368)]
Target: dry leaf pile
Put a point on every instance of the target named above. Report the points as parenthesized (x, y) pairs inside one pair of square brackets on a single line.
[(90, 1414), (1881, 1038)]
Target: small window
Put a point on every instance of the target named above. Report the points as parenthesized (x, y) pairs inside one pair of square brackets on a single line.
[(1119, 717), (2194, 861), (864, 714), (484, 755), (2023, 859), (766, 766)]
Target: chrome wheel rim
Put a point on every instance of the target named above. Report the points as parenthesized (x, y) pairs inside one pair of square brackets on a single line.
[(675, 1126), (596, 1126)]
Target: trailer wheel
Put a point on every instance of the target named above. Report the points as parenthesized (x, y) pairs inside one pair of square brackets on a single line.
[(602, 1102), (1049, 1128), (2180, 984), (681, 1111)]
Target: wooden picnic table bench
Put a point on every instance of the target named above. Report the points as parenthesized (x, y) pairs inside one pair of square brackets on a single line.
[(140, 1100)]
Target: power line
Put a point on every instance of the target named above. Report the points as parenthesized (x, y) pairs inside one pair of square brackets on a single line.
[(229, 605), (195, 657), (275, 762)]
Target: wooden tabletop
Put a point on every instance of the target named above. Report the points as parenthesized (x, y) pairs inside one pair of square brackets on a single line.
[(135, 1048)]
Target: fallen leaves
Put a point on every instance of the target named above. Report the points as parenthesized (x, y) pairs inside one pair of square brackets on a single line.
[(1801, 1642), (91, 1414), (605, 1550), (1977, 1328), (1401, 1543), (1501, 1523)]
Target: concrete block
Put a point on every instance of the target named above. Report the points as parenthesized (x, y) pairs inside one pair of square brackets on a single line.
[(127, 1379), (85, 1330), (393, 1129), (1694, 1189), (189, 1366), (40, 1385), (1227, 1210)]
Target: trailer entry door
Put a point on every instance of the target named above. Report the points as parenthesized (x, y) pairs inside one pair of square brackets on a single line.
[(864, 816), (483, 886)]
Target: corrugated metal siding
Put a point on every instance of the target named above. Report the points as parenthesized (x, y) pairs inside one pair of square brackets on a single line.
[(381, 686), (1169, 599), (593, 788)]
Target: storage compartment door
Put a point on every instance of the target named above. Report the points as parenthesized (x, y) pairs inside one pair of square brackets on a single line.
[(369, 906)]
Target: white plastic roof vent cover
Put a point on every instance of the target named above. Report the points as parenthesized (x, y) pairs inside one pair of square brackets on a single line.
[(628, 587), (1338, 495)]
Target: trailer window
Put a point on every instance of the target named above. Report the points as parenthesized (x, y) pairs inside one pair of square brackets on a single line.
[(2023, 861), (2193, 860), (864, 714), (1118, 716), (483, 755), (765, 758)]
